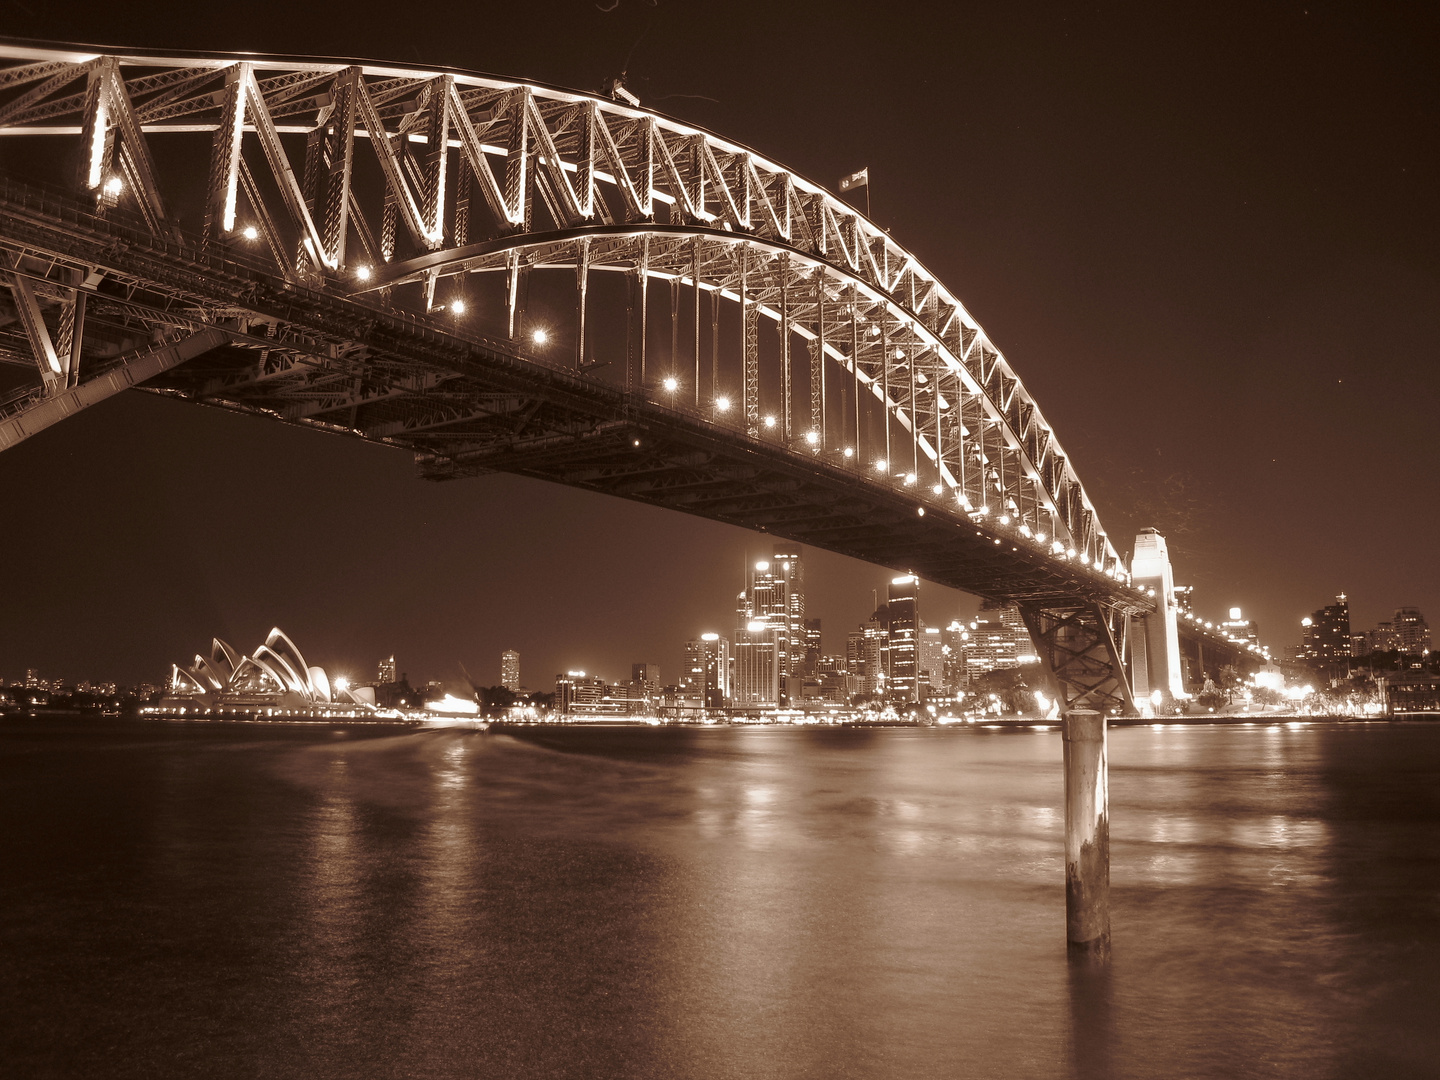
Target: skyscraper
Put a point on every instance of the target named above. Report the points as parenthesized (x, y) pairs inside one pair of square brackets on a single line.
[(1412, 632), (757, 666), (510, 669), (775, 596), (930, 662), (645, 682), (707, 669), (386, 673), (904, 603), (1327, 632)]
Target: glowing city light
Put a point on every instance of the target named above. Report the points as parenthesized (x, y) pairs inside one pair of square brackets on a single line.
[(1004, 519), (113, 186), (937, 489), (881, 465), (458, 307), (540, 336), (250, 232), (812, 437), (909, 478), (849, 451), (342, 683), (722, 404), (769, 421), (671, 384), (363, 273)]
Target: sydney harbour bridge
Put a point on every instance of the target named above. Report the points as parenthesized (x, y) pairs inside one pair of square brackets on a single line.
[(496, 275)]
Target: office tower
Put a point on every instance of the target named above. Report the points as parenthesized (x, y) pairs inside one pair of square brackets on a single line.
[(902, 682), (1237, 626), (1184, 598), (1327, 632), (577, 692), (812, 647), (790, 566), (1412, 632), (757, 666), (645, 682), (996, 638), (707, 669), (952, 648), (386, 673), (931, 661), (775, 596), (510, 669)]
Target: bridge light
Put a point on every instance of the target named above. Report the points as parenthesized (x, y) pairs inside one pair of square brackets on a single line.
[(938, 489), (342, 683), (1039, 538), (769, 421), (874, 331), (113, 185), (458, 307), (363, 273), (722, 404), (813, 438), (899, 354), (671, 384), (920, 510), (881, 465), (1070, 554), (1004, 519), (909, 478), (540, 336), (849, 451), (250, 232)]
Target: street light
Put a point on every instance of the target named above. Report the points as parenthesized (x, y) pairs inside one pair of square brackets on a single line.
[(540, 336), (722, 404), (671, 384)]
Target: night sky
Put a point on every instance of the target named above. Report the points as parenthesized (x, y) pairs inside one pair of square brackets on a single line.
[(1205, 236)]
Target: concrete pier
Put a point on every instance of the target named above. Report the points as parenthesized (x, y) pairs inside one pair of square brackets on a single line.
[(1087, 835)]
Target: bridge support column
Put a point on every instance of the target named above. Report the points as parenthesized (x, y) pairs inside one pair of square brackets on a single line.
[(1087, 835), (1076, 645)]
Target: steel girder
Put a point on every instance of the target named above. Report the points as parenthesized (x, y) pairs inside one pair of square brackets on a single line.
[(329, 320), (469, 173), (1076, 640)]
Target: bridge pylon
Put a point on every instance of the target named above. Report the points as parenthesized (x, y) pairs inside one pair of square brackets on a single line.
[(1155, 645)]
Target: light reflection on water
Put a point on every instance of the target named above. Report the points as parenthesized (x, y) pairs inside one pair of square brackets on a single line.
[(712, 903)]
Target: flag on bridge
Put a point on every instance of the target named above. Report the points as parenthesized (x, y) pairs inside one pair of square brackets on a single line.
[(855, 179)]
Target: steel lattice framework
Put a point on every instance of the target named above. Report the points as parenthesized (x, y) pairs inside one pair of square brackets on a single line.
[(380, 251)]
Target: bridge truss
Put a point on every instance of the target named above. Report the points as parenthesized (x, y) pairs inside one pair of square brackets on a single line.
[(505, 276)]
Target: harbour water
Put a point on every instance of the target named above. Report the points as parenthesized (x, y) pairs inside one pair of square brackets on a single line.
[(251, 901)]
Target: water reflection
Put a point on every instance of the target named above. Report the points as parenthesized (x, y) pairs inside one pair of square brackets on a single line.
[(715, 903)]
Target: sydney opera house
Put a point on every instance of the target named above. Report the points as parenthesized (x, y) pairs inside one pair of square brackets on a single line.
[(273, 682)]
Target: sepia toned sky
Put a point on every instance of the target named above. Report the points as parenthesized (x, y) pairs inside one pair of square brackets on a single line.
[(1206, 236)]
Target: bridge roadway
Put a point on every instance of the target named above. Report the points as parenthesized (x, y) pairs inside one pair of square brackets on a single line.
[(522, 414)]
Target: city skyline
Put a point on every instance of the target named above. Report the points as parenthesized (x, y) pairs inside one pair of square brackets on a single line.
[(1246, 346)]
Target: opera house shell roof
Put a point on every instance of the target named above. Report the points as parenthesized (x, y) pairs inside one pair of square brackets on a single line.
[(273, 677)]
